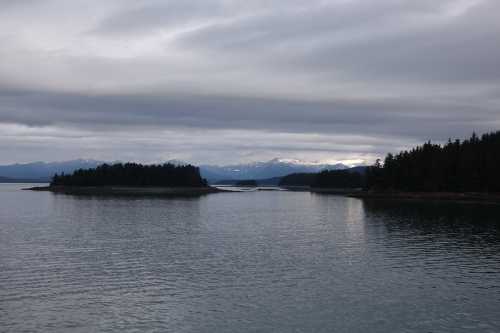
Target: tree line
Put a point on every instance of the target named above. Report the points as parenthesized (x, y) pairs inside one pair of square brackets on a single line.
[(471, 165), (133, 174), (325, 179)]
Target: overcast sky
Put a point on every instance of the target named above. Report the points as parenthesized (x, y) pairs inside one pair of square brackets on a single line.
[(223, 81)]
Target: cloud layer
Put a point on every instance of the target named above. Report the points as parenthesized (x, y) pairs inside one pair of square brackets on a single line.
[(228, 81)]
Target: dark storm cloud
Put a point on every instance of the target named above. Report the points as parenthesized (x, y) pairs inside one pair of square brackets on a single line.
[(317, 73)]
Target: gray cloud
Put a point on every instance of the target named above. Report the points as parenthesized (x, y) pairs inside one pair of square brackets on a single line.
[(127, 79), (344, 116), (148, 16), (380, 41)]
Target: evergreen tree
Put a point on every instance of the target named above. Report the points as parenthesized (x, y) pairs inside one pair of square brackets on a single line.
[(132, 174), (468, 166)]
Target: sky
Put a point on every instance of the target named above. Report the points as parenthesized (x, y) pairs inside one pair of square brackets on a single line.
[(228, 81)]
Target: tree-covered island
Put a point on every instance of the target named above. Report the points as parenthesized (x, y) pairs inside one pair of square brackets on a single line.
[(133, 174), (132, 178)]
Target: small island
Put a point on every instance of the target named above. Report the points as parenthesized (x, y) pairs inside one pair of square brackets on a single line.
[(131, 179)]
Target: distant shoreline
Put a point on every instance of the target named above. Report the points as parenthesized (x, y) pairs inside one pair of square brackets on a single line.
[(127, 190), (474, 198)]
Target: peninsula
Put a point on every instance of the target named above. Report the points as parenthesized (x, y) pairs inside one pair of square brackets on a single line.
[(461, 171)]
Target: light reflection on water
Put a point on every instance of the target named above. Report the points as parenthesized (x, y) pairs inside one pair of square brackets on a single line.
[(257, 261)]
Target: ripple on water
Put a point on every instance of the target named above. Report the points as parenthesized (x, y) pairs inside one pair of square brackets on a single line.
[(256, 261)]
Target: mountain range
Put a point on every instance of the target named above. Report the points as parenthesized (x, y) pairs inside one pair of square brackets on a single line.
[(264, 170), (43, 171)]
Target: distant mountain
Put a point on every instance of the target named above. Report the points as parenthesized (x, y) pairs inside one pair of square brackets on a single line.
[(269, 181), (359, 169), (42, 171), (5, 180), (264, 170)]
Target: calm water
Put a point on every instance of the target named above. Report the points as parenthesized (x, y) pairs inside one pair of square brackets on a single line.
[(245, 262)]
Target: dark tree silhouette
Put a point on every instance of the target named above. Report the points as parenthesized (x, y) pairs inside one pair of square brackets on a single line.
[(471, 165), (325, 179), (132, 174), (339, 179), (298, 179)]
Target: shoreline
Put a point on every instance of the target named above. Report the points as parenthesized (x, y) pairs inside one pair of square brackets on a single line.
[(460, 197), (450, 197), (339, 191), (127, 190)]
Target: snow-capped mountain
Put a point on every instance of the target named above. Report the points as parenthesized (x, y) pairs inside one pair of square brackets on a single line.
[(262, 170), (177, 162), (43, 171)]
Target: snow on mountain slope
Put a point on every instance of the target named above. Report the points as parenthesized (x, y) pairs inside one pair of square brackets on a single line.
[(262, 170), (257, 170)]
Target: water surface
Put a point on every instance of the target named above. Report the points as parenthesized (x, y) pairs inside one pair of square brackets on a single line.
[(246, 262)]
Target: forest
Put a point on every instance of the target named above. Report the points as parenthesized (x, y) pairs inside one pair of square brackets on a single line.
[(298, 179), (471, 165), (339, 179), (135, 175)]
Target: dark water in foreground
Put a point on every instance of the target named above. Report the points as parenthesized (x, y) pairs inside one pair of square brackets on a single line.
[(246, 262)]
